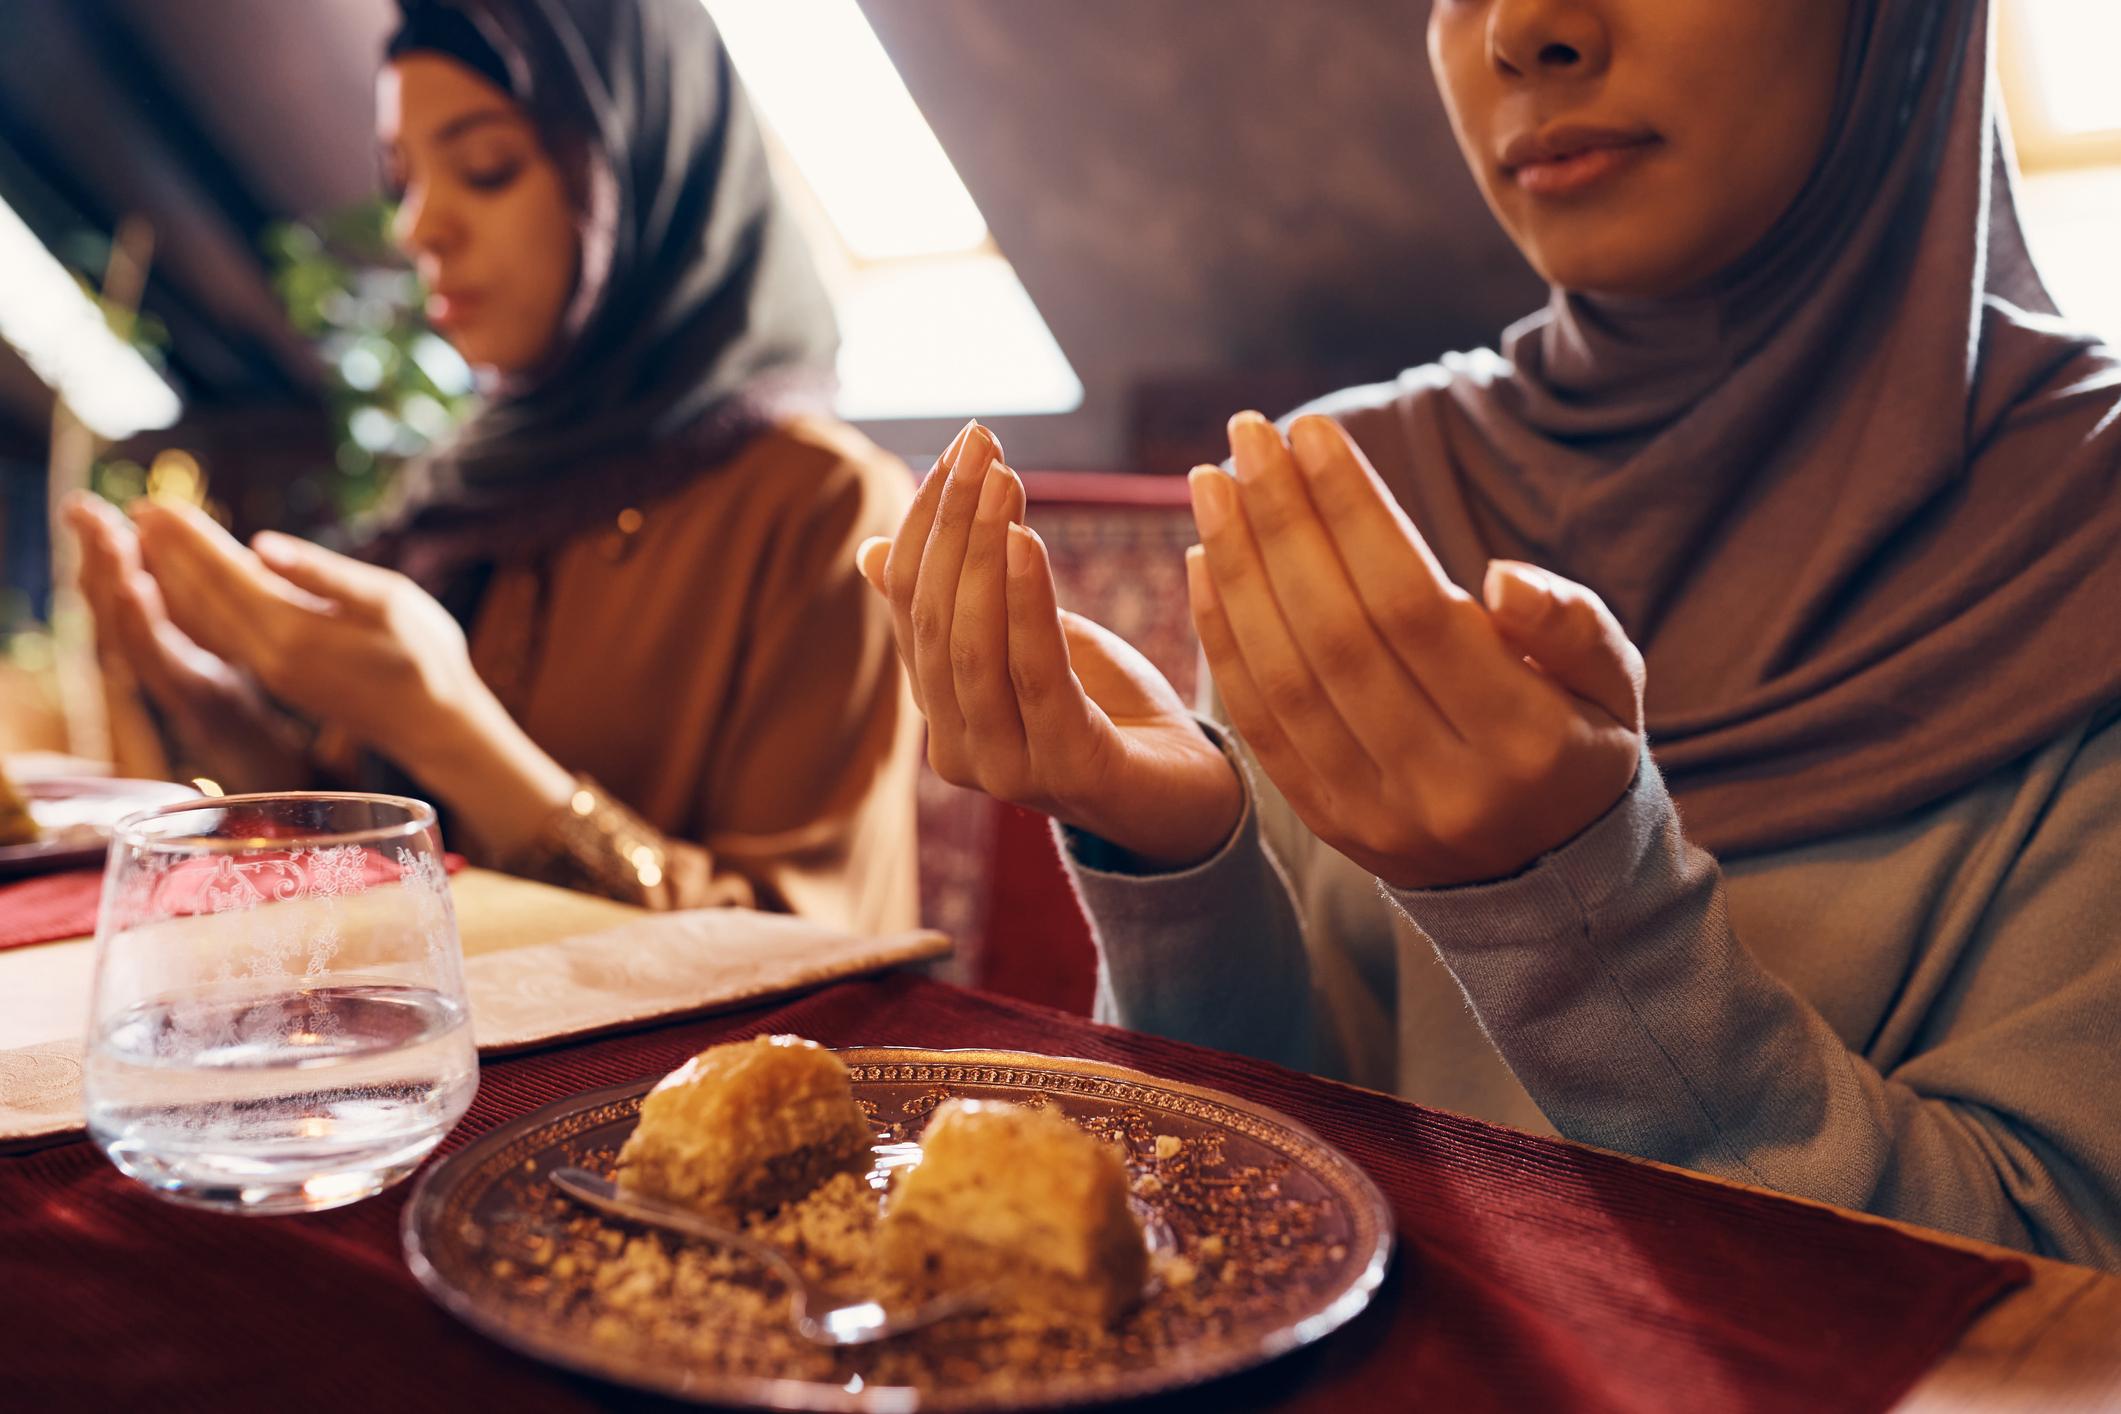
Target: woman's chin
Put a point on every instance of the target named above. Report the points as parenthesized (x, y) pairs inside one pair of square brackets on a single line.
[(488, 357), (1624, 256), (1632, 271)]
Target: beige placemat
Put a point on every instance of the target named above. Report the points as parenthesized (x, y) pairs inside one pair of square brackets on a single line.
[(647, 968), (44, 989)]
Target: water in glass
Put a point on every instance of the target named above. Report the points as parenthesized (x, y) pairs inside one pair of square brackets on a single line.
[(279, 1022)]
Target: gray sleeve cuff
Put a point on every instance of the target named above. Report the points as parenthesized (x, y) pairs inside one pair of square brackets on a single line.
[(1212, 954), (1563, 886), (1093, 857), (1159, 932)]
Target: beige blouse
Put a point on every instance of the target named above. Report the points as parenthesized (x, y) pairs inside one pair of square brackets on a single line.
[(725, 687)]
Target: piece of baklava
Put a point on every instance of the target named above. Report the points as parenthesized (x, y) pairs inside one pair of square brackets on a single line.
[(17, 826), (1020, 1202), (746, 1126)]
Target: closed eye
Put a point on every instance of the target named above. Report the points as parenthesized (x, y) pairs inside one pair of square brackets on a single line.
[(494, 178)]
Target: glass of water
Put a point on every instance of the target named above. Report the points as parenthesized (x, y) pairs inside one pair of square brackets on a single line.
[(278, 1021)]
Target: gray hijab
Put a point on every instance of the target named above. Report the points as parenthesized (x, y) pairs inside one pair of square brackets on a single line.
[(699, 321), (1857, 503)]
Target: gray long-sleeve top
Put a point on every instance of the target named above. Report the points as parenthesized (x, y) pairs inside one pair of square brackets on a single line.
[(1921, 1020)]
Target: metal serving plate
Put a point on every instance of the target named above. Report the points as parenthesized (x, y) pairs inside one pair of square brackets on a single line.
[(77, 814), (1268, 1239)]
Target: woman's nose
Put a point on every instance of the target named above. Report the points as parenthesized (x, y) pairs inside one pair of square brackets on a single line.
[(1536, 38), (423, 225)]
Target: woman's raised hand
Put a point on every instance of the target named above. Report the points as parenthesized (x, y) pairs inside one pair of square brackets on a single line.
[(359, 648), (215, 709), (342, 642), (1430, 739), (1028, 703)]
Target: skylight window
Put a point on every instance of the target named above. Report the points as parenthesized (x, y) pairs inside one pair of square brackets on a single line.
[(2069, 47), (817, 72), (903, 352), (2065, 112), (61, 334), (902, 244)]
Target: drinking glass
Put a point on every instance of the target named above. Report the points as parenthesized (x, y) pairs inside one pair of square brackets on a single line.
[(278, 1022)]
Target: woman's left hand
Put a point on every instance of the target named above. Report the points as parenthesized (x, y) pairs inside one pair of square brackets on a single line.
[(1430, 739), (342, 642)]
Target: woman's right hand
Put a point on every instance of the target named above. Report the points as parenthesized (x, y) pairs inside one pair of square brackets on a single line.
[(1032, 705), (218, 713)]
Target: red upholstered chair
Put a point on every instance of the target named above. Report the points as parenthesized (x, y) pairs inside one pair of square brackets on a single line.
[(990, 875)]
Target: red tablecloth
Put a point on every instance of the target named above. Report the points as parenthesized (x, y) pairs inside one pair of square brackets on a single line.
[(1531, 1275), (63, 905), (49, 907)]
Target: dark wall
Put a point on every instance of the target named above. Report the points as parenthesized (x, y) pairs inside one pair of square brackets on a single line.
[(101, 116), (1207, 197)]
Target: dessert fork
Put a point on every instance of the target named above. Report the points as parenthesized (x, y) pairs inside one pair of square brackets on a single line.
[(854, 1323)]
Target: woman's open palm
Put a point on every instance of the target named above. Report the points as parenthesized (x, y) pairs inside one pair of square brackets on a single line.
[(1028, 703), (1433, 739)]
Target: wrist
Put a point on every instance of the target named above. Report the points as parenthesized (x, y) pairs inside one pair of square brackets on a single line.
[(447, 740), (1168, 822), (485, 767)]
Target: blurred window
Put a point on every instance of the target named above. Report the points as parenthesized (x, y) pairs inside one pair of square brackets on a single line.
[(2056, 59), (904, 249), (60, 331)]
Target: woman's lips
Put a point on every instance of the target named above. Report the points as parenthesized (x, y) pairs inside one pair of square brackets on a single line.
[(446, 309), (1565, 161)]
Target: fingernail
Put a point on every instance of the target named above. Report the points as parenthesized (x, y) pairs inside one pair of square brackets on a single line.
[(978, 449), (1209, 487), (949, 452), (864, 553), (993, 495), (1311, 438), (1249, 447), (1511, 591), (1019, 550), (966, 435)]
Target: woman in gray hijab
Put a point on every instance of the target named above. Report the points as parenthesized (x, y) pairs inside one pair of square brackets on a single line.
[(612, 627), (1716, 688)]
